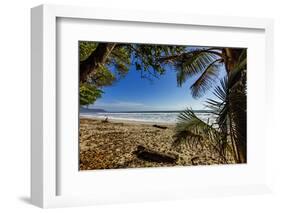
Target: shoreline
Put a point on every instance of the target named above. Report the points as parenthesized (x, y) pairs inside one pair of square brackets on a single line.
[(121, 120)]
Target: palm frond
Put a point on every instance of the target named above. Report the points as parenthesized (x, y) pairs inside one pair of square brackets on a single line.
[(192, 129), (192, 63), (205, 80), (220, 106)]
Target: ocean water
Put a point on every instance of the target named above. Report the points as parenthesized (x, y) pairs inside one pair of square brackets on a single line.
[(150, 117)]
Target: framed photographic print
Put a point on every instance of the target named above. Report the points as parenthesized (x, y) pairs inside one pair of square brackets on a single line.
[(136, 106)]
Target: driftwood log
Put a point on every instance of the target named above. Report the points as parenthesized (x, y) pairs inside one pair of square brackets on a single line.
[(153, 156), (160, 127)]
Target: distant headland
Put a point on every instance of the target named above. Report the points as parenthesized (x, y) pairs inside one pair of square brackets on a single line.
[(89, 110)]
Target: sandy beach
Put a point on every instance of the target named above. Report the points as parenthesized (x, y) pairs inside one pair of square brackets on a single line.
[(111, 145)]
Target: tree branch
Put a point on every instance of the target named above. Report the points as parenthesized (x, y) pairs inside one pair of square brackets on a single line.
[(98, 57)]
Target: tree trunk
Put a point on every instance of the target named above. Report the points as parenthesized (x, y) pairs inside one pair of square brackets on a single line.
[(98, 57), (231, 57), (237, 112)]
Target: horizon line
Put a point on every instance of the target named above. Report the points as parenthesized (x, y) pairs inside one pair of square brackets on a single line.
[(164, 110)]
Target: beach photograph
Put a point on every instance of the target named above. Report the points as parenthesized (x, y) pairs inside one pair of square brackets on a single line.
[(157, 105)]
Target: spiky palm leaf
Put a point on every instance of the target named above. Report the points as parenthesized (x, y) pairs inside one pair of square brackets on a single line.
[(220, 105), (204, 62), (206, 79), (192, 128), (191, 63)]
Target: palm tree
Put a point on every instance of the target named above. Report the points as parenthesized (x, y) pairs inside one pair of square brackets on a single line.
[(230, 108), (204, 62)]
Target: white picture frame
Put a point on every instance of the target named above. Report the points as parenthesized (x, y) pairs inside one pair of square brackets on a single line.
[(44, 153)]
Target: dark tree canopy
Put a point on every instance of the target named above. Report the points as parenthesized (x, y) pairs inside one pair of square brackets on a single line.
[(102, 64)]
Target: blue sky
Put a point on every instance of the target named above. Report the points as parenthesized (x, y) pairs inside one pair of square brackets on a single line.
[(133, 93)]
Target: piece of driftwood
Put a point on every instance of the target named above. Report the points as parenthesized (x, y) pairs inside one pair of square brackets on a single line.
[(160, 127), (153, 156)]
